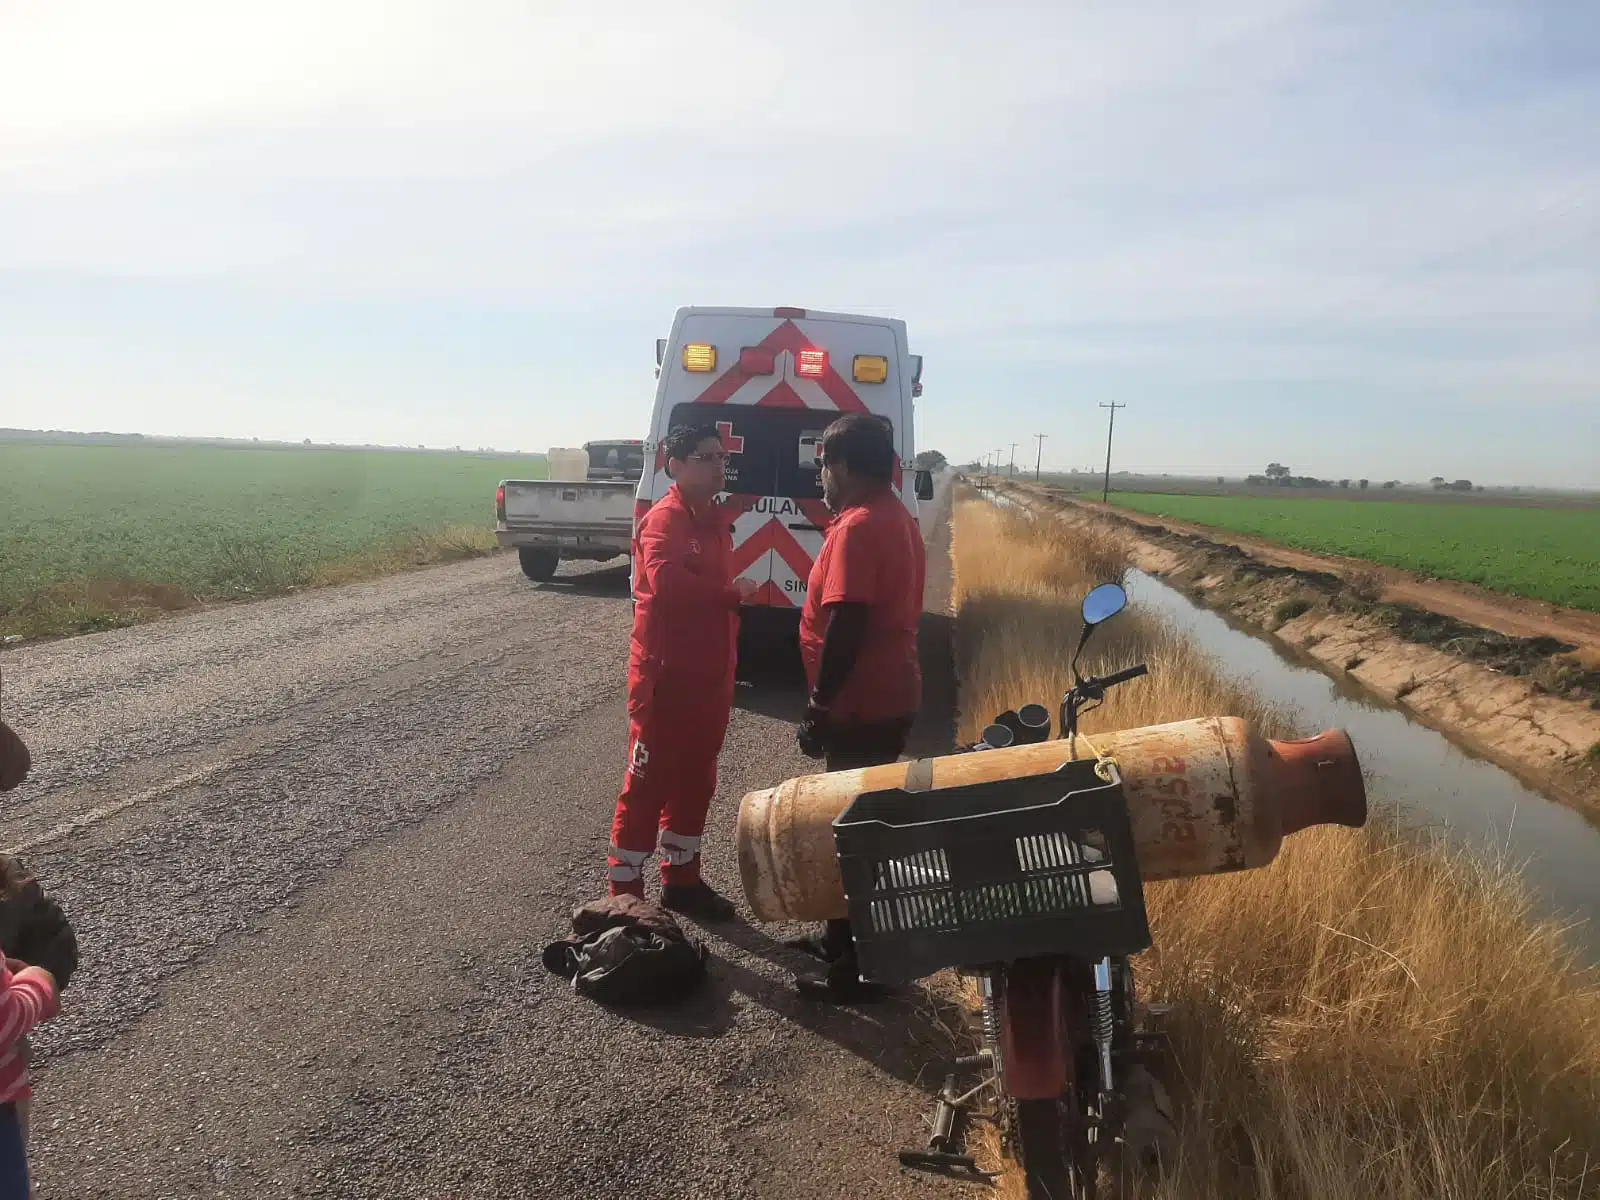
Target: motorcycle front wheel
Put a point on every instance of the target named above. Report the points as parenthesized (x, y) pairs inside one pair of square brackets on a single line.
[(1053, 1144)]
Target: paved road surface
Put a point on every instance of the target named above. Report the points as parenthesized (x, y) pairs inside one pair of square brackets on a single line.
[(313, 847)]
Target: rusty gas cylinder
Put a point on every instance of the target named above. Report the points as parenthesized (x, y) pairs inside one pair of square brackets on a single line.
[(1204, 796)]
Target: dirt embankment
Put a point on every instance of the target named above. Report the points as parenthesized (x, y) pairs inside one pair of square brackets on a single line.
[(1519, 686)]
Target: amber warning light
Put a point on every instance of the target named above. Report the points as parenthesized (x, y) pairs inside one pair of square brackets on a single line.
[(870, 368), (699, 357)]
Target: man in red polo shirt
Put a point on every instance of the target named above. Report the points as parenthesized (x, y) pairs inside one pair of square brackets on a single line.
[(858, 636), (680, 677)]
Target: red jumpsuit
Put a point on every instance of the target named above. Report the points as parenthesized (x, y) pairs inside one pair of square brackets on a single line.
[(680, 689)]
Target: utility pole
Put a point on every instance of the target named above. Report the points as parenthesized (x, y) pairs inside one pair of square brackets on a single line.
[(1013, 460), (1105, 496), (1039, 457)]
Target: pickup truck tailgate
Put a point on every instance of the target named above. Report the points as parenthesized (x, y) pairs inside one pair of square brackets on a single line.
[(577, 504)]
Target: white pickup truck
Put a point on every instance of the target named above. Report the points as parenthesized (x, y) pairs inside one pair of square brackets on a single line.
[(591, 518)]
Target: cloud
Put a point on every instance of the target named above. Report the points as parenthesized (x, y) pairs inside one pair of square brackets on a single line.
[(1291, 193)]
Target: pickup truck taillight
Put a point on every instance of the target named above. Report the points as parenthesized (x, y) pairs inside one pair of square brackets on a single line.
[(500, 503)]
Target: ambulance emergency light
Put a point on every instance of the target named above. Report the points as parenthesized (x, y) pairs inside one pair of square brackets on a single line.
[(869, 368), (699, 357), (809, 362)]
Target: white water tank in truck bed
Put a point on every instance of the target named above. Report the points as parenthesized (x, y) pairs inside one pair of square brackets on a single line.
[(567, 465)]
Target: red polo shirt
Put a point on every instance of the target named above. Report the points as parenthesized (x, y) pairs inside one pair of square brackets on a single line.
[(872, 555)]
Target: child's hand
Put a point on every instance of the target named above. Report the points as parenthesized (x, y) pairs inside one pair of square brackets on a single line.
[(14, 964), (28, 970)]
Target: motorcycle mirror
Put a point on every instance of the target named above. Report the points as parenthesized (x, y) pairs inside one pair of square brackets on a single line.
[(1103, 603), (1099, 606)]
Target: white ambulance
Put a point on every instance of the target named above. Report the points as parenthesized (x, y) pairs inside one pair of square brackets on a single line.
[(771, 380)]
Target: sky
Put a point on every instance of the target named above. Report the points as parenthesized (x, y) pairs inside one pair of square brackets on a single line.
[(1362, 239)]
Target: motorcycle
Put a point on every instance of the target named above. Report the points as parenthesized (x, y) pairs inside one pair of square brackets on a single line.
[(1066, 1052)]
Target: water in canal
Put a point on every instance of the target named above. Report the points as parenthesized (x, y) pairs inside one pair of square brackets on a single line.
[(1408, 764)]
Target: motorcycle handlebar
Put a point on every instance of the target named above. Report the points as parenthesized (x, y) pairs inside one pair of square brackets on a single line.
[(1011, 729), (1120, 676)]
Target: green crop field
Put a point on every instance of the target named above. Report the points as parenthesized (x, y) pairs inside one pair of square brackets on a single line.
[(99, 535), (1548, 554)]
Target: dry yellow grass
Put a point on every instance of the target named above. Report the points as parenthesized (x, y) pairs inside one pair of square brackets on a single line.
[(448, 544), (1017, 585), (1374, 1015)]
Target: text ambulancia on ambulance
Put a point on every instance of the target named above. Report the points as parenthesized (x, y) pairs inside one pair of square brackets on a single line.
[(772, 380)]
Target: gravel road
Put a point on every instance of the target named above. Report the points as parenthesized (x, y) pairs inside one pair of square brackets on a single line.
[(313, 847)]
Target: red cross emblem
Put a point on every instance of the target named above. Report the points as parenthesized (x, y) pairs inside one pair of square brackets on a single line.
[(733, 445)]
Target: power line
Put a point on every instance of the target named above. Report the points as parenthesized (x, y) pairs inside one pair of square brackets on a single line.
[(1105, 496)]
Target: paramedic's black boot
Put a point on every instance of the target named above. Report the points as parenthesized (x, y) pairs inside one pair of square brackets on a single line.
[(834, 941), (698, 900), (840, 984), (812, 943)]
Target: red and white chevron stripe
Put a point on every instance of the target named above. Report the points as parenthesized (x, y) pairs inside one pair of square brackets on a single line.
[(766, 550), (831, 391)]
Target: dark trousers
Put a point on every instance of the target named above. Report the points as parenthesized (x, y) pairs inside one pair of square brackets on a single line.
[(13, 1156), (852, 747)]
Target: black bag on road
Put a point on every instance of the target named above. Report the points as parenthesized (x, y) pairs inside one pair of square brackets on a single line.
[(627, 951)]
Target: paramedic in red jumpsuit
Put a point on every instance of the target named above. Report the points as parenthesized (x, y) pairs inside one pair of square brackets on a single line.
[(680, 677)]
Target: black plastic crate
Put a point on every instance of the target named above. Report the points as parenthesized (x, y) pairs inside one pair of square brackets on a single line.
[(990, 873)]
